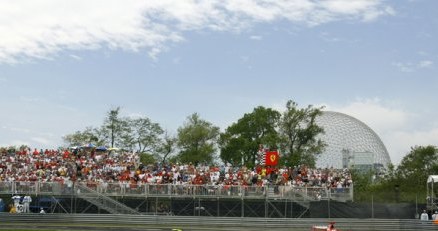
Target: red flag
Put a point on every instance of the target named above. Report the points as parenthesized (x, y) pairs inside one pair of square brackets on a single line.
[(272, 158)]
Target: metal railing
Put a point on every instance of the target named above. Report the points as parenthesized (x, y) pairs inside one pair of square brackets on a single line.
[(181, 190)]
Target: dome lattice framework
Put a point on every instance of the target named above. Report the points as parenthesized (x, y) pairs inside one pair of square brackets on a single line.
[(344, 132)]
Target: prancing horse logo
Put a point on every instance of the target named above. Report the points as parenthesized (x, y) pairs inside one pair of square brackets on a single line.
[(272, 157)]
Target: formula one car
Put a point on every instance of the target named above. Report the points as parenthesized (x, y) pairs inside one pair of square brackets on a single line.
[(329, 227)]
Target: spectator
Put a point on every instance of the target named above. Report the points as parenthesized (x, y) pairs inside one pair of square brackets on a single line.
[(424, 216), (435, 216), (26, 201), (13, 209), (16, 199), (122, 172)]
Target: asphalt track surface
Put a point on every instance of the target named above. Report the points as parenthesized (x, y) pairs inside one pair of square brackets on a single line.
[(92, 222), (75, 227), (109, 222)]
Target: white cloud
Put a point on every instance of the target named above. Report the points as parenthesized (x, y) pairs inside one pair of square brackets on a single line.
[(378, 115), (76, 57), (425, 64), (399, 129), (404, 67), (369, 10), (256, 37), (400, 142), (41, 29), (411, 67)]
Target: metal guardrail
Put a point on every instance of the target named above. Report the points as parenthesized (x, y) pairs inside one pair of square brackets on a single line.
[(219, 223), (187, 190)]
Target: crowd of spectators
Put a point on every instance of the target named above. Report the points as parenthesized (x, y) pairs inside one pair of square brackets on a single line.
[(113, 167)]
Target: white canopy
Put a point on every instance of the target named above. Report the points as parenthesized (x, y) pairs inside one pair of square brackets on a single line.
[(432, 178)]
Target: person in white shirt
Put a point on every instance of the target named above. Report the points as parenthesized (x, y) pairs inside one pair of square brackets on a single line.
[(435, 216), (424, 216), (26, 202), (16, 200)]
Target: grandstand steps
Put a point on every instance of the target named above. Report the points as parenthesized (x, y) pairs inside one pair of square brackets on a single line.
[(271, 193), (102, 201), (298, 197), (303, 196)]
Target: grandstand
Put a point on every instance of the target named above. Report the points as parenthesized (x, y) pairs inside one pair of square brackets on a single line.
[(86, 180)]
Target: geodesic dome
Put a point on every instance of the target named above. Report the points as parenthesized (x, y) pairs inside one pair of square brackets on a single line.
[(344, 133)]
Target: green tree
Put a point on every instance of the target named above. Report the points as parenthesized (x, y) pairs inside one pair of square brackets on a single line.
[(79, 138), (167, 147), (196, 140), (397, 184), (241, 140), (146, 159), (299, 133), (113, 126), (416, 166), (140, 134), (125, 138), (363, 184)]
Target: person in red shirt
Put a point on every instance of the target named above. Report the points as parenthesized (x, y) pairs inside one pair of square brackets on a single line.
[(35, 152), (66, 154)]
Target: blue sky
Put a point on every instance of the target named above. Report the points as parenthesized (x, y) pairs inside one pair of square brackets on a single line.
[(64, 64)]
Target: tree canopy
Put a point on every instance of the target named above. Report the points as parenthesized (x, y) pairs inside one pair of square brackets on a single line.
[(144, 135), (406, 183), (197, 140), (299, 133), (113, 126), (417, 165), (167, 147), (294, 132), (241, 140), (134, 134), (79, 138)]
